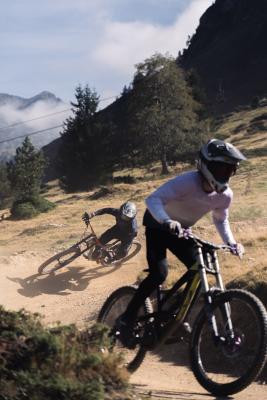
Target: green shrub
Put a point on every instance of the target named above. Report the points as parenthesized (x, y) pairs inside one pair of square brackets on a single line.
[(24, 210), (60, 363), (29, 208), (42, 204)]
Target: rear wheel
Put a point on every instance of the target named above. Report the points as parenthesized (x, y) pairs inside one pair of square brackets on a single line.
[(229, 364), (113, 307)]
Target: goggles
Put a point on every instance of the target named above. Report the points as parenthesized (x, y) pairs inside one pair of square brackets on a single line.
[(221, 171)]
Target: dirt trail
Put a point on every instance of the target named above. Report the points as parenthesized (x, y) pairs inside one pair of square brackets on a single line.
[(72, 295), (75, 294)]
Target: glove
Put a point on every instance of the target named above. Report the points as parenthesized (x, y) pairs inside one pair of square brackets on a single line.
[(237, 249), (86, 216), (174, 227), (187, 232)]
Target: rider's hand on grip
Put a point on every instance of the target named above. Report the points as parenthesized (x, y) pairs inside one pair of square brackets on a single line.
[(237, 249), (174, 227), (187, 232), (86, 218)]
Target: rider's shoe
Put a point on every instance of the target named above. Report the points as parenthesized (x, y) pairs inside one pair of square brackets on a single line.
[(87, 255), (96, 253), (92, 255), (125, 332)]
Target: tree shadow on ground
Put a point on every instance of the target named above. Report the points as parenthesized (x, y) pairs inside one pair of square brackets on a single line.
[(173, 394), (62, 282)]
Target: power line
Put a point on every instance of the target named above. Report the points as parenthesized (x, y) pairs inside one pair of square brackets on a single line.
[(46, 115), (43, 130), (31, 134), (33, 119)]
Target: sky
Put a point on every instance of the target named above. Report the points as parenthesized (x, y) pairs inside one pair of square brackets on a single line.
[(55, 45)]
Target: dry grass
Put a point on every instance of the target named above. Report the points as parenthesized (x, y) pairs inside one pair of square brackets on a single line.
[(63, 226)]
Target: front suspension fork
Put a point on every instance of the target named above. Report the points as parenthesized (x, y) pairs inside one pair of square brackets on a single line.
[(209, 296)]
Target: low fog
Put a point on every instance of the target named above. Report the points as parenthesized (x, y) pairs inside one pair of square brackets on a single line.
[(27, 116)]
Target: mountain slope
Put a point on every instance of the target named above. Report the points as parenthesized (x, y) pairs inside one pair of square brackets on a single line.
[(229, 52), (21, 102)]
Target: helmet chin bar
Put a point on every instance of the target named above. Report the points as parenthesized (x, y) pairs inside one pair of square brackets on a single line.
[(220, 187)]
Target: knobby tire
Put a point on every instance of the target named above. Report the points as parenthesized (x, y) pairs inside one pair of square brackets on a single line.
[(113, 307), (64, 257)]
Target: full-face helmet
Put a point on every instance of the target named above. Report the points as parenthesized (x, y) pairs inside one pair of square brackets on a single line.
[(128, 210), (217, 162)]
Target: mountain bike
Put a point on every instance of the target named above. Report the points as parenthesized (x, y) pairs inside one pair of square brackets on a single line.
[(92, 249), (228, 342)]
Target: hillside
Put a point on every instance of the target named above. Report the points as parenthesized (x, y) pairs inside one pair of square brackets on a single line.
[(75, 294), (229, 52), (22, 103)]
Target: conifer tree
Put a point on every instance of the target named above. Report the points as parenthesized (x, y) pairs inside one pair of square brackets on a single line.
[(25, 172), (80, 141), (4, 185)]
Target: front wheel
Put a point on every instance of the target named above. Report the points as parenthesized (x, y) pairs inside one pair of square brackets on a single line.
[(59, 260), (65, 257), (229, 363), (113, 307)]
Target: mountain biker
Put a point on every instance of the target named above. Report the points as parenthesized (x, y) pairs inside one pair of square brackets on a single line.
[(177, 205), (125, 228)]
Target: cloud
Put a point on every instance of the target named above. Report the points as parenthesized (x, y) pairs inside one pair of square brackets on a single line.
[(16, 122), (123, 44), (54, 45)]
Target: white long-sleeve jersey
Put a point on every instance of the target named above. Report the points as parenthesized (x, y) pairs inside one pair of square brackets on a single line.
[(183, 199)]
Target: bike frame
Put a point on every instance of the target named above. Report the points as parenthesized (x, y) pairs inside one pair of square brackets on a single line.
[(96, 239), (196, 281)]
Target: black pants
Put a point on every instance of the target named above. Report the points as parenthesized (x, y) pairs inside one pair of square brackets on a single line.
[(157, 243), (116, 233)]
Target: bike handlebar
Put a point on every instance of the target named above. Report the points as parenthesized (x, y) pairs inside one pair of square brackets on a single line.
[(186, 233), (192, 236)]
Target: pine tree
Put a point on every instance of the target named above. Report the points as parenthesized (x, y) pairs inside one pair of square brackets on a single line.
[(25, 172), (80, 141), (5, 192)]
